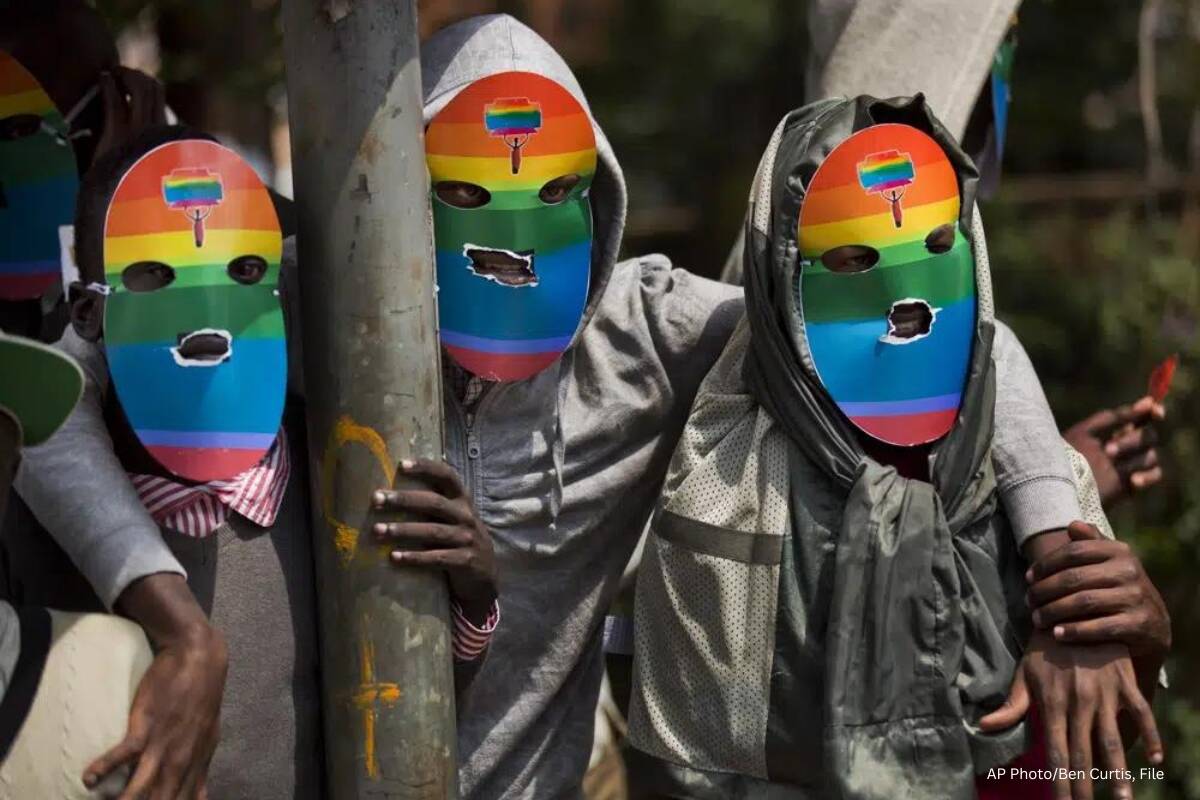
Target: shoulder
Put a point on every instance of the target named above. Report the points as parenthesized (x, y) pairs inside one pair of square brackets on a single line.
[(670, 301), (1008, 353), (1005, 335), (89, 355)]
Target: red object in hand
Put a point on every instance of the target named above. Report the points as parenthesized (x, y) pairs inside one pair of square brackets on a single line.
[(1160, 378)]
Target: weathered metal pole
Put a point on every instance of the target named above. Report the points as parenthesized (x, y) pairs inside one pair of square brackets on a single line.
[(373, 386)]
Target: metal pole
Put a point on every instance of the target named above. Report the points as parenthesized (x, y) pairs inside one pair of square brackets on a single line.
[(373, 385)]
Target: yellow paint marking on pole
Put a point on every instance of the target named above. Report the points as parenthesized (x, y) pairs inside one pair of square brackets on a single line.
[(344, 431), (369, 697)]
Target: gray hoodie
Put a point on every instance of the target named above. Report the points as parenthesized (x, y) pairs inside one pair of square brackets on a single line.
[(564, 467)]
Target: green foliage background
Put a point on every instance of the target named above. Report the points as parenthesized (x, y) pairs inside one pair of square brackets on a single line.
[(1100, 278)]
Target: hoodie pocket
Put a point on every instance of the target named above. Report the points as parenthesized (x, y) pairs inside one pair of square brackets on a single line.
[(705, 616)]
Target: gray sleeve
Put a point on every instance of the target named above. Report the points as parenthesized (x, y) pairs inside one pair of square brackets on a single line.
[(1033, 471), (689, 320), (78, 491)]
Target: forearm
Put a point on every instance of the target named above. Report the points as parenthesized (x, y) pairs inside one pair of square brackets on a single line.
[(1033, 472), (77, 489), (166, 609), (1042, 544)]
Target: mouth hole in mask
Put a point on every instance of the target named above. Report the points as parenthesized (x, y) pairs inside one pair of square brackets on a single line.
[(908, 321), (505, 267), (207, 347), (850, 258)]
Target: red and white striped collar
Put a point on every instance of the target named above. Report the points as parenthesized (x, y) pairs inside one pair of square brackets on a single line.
[(199, 510)]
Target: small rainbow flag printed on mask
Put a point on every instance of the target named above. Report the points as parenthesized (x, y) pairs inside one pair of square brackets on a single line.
[(513, 119), (888, 174), (195, 192)]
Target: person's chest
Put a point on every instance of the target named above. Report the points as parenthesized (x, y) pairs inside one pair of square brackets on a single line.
[(548, 465)]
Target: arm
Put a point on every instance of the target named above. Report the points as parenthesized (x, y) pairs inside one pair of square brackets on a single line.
[(1089, 696), (1033, 467), (1033, 471), (1095, 590), (672, 324), (174, 719), (1079, 689), (79, 492)]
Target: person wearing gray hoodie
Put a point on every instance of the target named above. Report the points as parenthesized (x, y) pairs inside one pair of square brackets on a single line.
[(563, 467)]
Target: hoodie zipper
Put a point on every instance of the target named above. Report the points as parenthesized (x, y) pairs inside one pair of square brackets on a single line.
[(470, 444)]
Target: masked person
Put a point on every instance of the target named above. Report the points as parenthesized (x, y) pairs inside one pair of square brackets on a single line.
[(561, 458), (67, 679), (832, 595), (181, 250), (88, 104), (961, 58), (38, 182)]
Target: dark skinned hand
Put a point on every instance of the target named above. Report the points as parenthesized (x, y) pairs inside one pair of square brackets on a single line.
[(1080, 691), (174, 721), (1096, 590), (444, 533), (1119, 447)]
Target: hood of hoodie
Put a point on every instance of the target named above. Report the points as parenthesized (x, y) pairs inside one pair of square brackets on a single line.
[(781, 355), (479, 47), (797, 148)]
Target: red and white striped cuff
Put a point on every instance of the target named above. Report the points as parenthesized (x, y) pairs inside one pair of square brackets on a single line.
[(470, 641)]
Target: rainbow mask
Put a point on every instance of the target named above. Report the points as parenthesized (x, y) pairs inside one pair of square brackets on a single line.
[(887, 284), (193, 327), (38, 182), (511, 160)]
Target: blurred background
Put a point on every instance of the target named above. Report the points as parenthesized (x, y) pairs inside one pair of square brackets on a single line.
[(1094, 235)]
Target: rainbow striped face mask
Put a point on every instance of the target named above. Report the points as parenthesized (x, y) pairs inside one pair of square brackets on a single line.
[(511, 160), (193, 327), (38, 183), (887, 283)]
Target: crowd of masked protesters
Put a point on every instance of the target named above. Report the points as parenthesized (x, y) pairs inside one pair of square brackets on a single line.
[(868, 562)]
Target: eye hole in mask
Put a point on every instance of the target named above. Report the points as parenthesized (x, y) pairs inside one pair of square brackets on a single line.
[(461, 194), (147, 276), (19, 126), (850, 258), (247, 270), (557, 190), (940, 239)]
